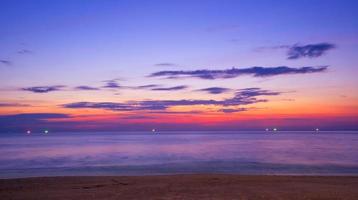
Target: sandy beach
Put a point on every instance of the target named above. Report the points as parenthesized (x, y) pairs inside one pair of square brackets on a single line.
[(181, 187)]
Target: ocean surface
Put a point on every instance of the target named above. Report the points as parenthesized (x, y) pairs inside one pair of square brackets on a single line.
[(149, 153)]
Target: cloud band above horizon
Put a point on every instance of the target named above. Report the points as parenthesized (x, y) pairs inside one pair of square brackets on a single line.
[(235, 72)]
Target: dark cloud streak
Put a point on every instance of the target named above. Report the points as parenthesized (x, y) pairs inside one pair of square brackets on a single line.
[(180, 87), (112, 84), (254, 92), (233, 110), (235, 72), (43, 89), (84, 87), (215, 90), (242, 97), (146, 86)]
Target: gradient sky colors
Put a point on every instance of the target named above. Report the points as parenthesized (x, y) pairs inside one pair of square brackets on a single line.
[(178, 65)]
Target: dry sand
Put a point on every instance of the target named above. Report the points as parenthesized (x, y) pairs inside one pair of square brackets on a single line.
[(181, 187)]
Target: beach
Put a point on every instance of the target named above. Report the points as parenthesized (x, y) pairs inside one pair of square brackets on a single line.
[(183, 165), (198, 186)]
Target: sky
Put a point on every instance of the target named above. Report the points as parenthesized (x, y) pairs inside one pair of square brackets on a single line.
[(178, 65)]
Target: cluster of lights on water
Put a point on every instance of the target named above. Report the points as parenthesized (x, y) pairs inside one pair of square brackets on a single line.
[(29, 131), (154, 130), (276, 129)]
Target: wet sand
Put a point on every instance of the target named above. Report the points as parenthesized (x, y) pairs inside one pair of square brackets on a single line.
[(182, 187)]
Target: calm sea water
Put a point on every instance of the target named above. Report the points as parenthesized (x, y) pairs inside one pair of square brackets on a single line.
[(146, 153)]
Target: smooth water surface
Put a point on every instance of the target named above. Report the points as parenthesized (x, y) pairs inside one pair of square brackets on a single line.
[(144, 153)]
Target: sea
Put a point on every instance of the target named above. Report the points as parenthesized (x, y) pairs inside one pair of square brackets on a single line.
[(323, 153)]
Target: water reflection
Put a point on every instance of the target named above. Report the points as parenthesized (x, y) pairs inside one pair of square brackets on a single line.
[(220, 151)]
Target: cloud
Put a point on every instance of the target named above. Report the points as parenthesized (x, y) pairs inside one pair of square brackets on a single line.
[(165, 64), (101, 105), (180, 87), (155, 87), (253, 92), (235, 72), (146, 86), (84, 87), (38, 121), (6, 62), (30, 117), (137, 117), (129, 106), (40, 116), (242, 97), (310, 50), (215, 90), (24, 51), (114, 80), (13, 105), (111, 84), (233, 110), (176, 112), (43, 89)]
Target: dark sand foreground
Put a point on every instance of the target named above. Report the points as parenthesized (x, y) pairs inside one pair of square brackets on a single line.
[(181, 187)]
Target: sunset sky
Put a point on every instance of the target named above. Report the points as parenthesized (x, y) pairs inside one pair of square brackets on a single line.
[(178, 65)]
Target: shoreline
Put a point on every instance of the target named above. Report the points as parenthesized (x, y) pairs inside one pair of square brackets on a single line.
[(181, 174), (183, 186)]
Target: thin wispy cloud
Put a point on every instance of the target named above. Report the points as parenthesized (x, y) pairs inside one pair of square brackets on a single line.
[(253, 92), (13, 105), (84, 87), (215, 90), (165, 64), (36, 116), (180, 87), (146, 86), (6, 62), (156, 87), (43, 89), (235, 72), (24, 51), (176, 112), (233, 110), (138, 117)]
